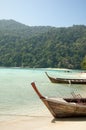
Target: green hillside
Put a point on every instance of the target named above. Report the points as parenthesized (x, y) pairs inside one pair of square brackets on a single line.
[(42, 46)]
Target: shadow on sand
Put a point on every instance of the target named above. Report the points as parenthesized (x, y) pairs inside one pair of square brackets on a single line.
[(69, 119)]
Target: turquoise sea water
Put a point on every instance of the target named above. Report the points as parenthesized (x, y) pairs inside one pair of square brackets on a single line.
[(17, 97)]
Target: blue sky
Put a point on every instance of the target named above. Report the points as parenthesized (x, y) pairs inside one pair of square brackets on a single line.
[(58, 13)]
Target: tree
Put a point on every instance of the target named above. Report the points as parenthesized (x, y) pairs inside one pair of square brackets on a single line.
[(83, 63)]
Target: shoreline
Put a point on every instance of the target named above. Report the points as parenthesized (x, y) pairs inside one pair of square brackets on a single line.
[(42, 123)]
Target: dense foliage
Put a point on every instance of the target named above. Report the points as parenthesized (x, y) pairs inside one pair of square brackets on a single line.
[(42, 46)]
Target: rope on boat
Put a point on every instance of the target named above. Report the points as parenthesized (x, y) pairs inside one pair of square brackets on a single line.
[(78, 96)]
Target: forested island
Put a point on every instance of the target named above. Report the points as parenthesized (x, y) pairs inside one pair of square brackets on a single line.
[(42, 46)]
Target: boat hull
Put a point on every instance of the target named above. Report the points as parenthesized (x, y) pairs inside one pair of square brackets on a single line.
[(59, 109), (66, 81), (63, 107)]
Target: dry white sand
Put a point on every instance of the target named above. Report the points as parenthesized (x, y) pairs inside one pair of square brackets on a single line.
[(42, 123), (82, 75)]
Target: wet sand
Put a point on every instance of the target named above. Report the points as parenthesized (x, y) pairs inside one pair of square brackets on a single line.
[(42, 123)]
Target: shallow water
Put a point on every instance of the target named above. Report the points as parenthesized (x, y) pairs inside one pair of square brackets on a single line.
[(17, 97)]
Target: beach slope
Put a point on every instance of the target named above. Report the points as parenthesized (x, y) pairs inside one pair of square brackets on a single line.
[(42, 123)]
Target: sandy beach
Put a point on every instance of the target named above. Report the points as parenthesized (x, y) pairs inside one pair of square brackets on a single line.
[(42, 123)]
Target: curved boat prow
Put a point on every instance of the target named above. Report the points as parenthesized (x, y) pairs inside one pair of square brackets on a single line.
[(53, 80), (36, 90), (47, 74)]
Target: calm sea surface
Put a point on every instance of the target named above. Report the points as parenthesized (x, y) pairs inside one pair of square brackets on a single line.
[(17, 97)]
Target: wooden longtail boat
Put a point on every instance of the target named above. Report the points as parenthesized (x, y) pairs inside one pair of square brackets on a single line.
[(63, 107), (66, 80)]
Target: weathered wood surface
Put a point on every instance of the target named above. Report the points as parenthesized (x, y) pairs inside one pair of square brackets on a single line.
[(64, 107), (66, 80)]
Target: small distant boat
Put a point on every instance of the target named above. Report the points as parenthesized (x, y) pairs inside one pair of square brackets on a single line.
[(63, 107), (66, 80)]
